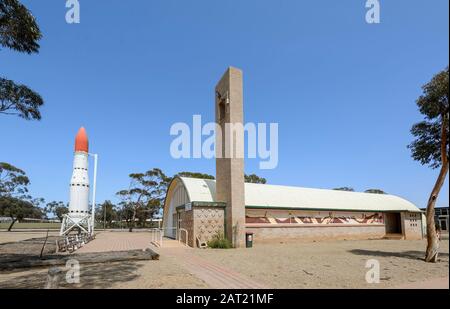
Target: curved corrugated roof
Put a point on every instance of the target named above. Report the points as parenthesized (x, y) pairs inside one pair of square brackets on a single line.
[(259, 195)]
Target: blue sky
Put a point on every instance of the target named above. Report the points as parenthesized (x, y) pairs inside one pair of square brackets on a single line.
[(342, 91)]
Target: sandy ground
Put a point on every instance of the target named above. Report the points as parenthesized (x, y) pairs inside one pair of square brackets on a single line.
[(165, 273), (6, 237), (142, 274), (427, 284), (333, 264)]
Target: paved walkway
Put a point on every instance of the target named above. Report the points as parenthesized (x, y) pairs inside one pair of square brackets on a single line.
[(117, 241)]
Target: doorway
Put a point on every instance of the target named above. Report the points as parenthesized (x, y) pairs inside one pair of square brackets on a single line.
[(172, 231), (393, 223), (443, 224)]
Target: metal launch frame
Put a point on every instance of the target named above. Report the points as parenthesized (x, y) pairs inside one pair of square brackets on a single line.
[(70, 223)]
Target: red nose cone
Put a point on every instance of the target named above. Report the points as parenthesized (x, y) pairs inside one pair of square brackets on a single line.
[(81, 141)]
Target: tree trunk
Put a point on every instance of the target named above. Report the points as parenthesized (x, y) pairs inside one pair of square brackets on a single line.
[(11, 225), (133, 221), (432, 238)]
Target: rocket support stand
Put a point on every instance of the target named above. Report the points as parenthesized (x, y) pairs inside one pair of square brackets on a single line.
[(70, 223)]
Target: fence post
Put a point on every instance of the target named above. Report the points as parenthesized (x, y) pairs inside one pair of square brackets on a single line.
[(186, 236)]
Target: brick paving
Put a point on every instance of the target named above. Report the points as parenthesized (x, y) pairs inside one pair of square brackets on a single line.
[(117, 241), (214, 275)]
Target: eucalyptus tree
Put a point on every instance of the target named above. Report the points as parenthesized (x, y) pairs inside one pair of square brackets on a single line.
[(13, 181), (349, 189), (146, 193), (375, 191), (431, 146), (253, 178), (20, 32), (17, 209), (58, 209)]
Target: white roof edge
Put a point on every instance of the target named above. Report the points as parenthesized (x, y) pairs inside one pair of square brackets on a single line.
[(276, 196)]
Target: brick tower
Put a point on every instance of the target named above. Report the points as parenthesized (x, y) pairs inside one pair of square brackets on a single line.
[(230, 154)]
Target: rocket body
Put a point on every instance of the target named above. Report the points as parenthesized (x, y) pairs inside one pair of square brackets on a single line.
[(79, 183), (79, 218)]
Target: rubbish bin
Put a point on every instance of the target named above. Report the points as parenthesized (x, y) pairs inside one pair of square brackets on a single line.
[(249, 240)]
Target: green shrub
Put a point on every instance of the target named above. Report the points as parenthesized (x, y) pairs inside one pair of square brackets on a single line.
[(219, 242)]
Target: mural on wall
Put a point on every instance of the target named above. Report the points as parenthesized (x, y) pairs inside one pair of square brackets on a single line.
[(310, 217)]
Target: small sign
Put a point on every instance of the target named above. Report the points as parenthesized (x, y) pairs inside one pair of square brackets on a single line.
[(188, 206)]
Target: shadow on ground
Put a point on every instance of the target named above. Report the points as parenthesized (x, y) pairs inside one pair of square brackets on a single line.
[(412, 255), (91, 276)]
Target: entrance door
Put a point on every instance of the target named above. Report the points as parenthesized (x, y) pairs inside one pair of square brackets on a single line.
[(178, 225), (443, 224), (393, 223), (173, 231)]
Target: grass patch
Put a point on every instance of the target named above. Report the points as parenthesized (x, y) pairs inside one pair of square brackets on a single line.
[(219, 242)]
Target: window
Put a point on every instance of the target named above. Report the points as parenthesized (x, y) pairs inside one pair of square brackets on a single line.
[(222, 111)]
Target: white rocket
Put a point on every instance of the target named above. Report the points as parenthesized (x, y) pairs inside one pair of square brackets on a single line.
[(79, 215)]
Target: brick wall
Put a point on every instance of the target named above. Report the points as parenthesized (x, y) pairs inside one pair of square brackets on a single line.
[(187, 222), (275, 233), (412, 225)]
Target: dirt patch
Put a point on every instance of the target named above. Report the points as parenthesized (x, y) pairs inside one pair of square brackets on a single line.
[(326, 264), (91, 276), (27, 249), (6, 237), (125, 275), (164, 273), (333, 264)]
